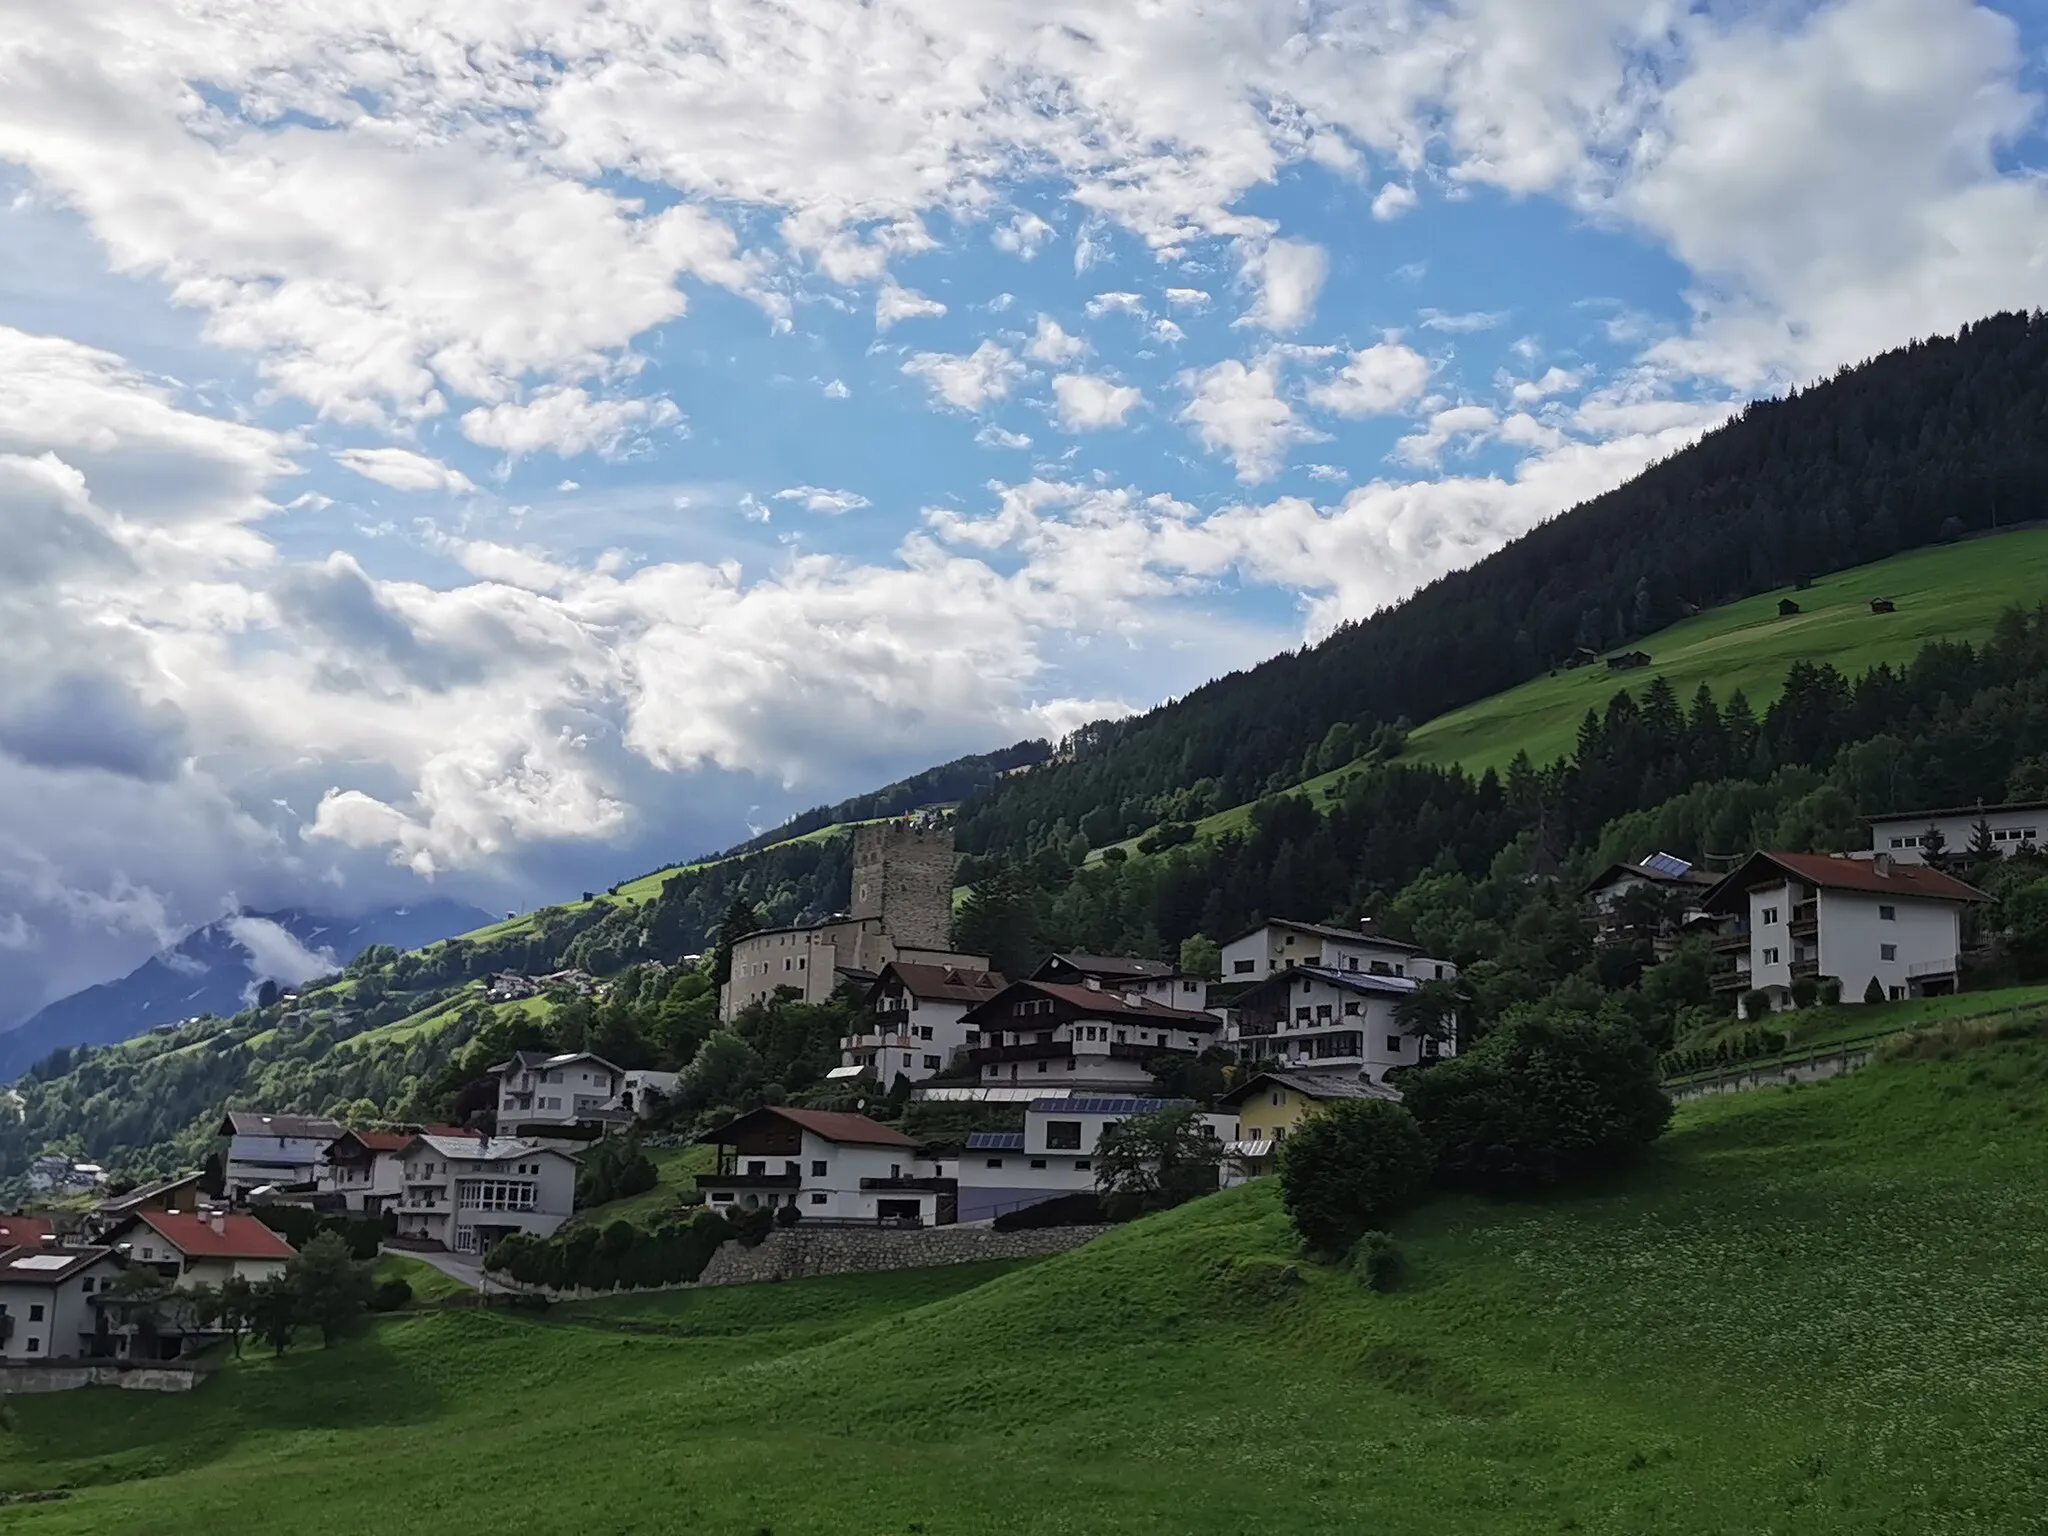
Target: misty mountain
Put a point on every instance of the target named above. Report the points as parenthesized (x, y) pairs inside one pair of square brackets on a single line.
[(216, 969)]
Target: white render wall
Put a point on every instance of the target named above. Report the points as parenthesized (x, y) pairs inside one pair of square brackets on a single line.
[(1901, 837), (843, 1165), (1852, 936), (1384, 1046), (1275, 947), (898, 1043), (67, 1313), (561, 1095), (1773, 976), (995, 1180)]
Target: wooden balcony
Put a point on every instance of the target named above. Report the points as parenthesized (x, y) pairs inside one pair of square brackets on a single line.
[(749, 1180)]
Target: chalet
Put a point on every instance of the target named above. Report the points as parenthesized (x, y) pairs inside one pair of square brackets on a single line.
[(832, 1167), (1269, 1106), (917, 1026), (190, 1248), (1786, 607), (1883, 605), (1628, 661), (1053, 1155), (180, 1192), (2013, 827), (541, 1090), (365, 1169), (465, 1191), (48, 1302), (1313, 1016), (1280, 943), (1139, 978), (1624, 916), (274, 1151), (1584, 656), (1091, 1037), (1784, 916)]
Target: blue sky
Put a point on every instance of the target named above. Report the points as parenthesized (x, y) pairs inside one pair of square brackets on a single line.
[(503, 448)]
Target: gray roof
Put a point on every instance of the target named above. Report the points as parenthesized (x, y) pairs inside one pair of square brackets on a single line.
[(47, 1266), (1345, 1084), (1332, 931), (533, 1061), (1350, 981), (254, 1122), (497, 1149)]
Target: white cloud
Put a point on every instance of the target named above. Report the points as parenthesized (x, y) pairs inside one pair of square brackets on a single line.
[(567, 421), (1554, 381), (1289, 275), (967, 381), (1330, 472), (404, 470), (1393, 200), (835, 389), (1088, 402), (1236, 409), (1187, 298), (274, 955), (896, 303), (1471, 320), (1379, 380), (816, 498), (1023, 235), (1116, 303), (1167, 333), (1466, 425), (1050, 344), (993, 436)]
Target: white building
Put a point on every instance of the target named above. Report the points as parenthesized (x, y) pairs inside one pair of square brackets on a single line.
[(1314, 1016), (2013, 826), (918, 1020), (47, 1302), (1790, 915), (1054, 1154), (466, 1192), (366, 1168), (1080, 1038), (1681, 886), (642, 1090), (1153, 979), (539, 1088), (1279, 944), (830, 1166), (191, 1248), (267, 1151)]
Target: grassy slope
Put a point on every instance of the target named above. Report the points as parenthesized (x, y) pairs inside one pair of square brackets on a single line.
[(1814, 1310), (1953, 592), (1814, 1027), (428, 1283), (678, 1168)]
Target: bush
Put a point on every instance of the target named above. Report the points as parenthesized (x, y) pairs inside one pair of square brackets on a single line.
[(1377, 1260), (391, 1295), (1548, 1096), (787, 1216), (1756, 1004), (1349, 1168), (1830, 991), (751, 1226), (1805, 991), (1874, 993), (622, 1257)]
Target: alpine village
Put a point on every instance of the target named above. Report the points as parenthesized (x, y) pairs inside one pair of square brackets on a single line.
[(1569, 1052)]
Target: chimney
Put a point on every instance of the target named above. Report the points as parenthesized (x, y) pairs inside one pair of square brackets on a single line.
[(218, 1220), (1882, 863)]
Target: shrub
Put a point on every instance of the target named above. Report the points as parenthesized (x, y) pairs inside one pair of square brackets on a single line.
[(1756, 1004), (391, 1295), (787, 1216), (1874, 993), (1377, 1260), (1805, 991), (1349, 1168), (1549, 1095), (1259, 1278), (752, 1225), (1830, 991)]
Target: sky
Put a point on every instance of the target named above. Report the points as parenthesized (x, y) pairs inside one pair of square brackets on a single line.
[(501, 448)]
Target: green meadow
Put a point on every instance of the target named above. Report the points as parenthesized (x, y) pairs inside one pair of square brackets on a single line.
[(1816, 1309)]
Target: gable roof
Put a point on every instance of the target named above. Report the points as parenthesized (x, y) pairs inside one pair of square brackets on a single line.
[(1326, 1086), (24, 1231), (463, 1147), (1122, 967), (831, 1125), (1348, 981), (1613, 872), (1912, 882), (941, 983), (1332, 931), (375, 1141), (143, 1194), (535, 1061), (253, 1122), (1921, 818), (194, 1235), (47, 1266), (1099, 1003)]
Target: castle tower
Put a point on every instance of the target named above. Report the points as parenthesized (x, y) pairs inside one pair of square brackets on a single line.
[(903, 874)]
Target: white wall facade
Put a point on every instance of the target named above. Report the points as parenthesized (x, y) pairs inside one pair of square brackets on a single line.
[(254, 1161), (828, 1187), (465, 1204), (556, 1094), (365, 1187), (1057, 1158), (52, 1322), (1275, 947), (2011, 830), (1771, 951), (1328, 1024), (1902, 943), (916, 1040)]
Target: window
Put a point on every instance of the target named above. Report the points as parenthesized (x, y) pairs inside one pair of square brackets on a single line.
[(924, 1031), (1279, 1097), (1439, 973), (1395, 1044), (35, 1312), (1887, 951), (818, 1197), (1887, 914), (1301, 1015), (1770, 915), (1770, 957), (1322, 1013), (1898, 993), (790, 1167), (1070, 1063), (931, 1063), (1082, 1165), (1038, 1162), (1353, 1008), (995, 1162), (85, 1286), (495, 1195), (1063, 1135), (35, 1346), (1041, 1065), (1242, 967)]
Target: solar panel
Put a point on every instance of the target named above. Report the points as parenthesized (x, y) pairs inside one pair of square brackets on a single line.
[(1669, 865), (995, 1141), (1086, 1106)]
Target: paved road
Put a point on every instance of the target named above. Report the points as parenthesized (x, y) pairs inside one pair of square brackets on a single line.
[(454, 1265)]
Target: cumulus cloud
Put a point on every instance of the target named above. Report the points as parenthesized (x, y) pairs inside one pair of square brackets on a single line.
[(403, 470), (1393, 200), (274, 955), (1288, 275), (1088, 402), (967, 381), (1464, 323), (1116, 302), (1051, 344), (566, 420), (1464, 425), (1187, 298), (816, 498), (1022, 235), (896, 303), (1374, 382), (993, 436), (1237, 409)]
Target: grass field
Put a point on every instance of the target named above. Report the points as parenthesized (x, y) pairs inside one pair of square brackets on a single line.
[(1813, 1310), (1810, 1027), (678, 1168), (428, 1283)]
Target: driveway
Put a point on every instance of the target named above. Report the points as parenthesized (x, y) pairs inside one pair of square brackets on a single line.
[(455, 1266)]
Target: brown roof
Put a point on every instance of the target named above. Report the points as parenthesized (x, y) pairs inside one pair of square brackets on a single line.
[(36, 1266), (832, 1125), (1107, 1003), (1912, 881), (1125, 967), (23, 1231), (944, 983), (1315, 1085), (376, 1141), (240, 1237)]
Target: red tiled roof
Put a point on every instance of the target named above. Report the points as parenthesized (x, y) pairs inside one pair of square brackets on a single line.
[(23, 1231), (854, 1130), (1819, 869), (240, 1237), (378, 1141)]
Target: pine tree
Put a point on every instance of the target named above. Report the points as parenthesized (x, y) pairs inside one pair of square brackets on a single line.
[(1983, 847)]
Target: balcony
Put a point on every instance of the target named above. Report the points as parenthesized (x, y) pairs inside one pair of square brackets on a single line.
[(919, 1186), (1730, 980), (749, 1180), (1809, 966), (1036, 1050), (1805, 921), (1731, 942)]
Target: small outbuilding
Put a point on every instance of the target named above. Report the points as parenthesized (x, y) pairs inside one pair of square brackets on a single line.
[(1882, 605), (1786, 607), (1628, 661)]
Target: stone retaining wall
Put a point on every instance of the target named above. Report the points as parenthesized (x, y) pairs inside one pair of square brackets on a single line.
[(58, 1377), (1772, 1074), (791, 1254)]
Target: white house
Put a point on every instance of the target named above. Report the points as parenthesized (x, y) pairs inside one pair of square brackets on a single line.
[(191, 1248), (1053, 1155), (266, 1150), (47, 1296), (830, 1166), (465, 1192), (57, 1175), (1080, 1038), (2015, 825), (1314, 1016), (366, 1168), (1153, 979), (541, 1088), (1280, 943), (1682, 887), (1790, 915), (640, 1090), (918, 1023)]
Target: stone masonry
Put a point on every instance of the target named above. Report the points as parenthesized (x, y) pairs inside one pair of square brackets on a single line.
[(903, 874), (795, 1253)]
